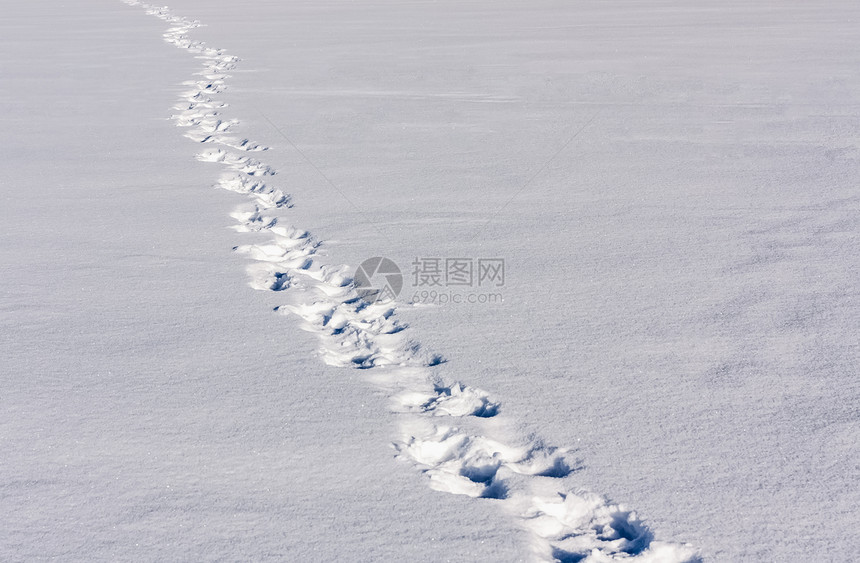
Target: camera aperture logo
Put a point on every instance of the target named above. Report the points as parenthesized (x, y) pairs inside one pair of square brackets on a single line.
[(378, 280)]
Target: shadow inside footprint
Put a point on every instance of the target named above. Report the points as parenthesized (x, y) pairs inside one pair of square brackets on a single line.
[(562, 556), (488, 410), (480, 474), (559, 468), (496, 490), (638, 536), (282, 282), (486, 474), (435, 360)]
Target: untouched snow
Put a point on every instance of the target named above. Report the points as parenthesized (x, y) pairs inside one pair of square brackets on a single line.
[(673, 191)]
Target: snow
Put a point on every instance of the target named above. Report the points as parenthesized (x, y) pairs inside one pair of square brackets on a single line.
[(672, 188)]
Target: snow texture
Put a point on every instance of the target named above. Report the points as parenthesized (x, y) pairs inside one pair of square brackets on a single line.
[(521, 477), (679, 318)]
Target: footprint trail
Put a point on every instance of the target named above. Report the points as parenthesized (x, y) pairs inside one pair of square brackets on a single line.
[(449, 431)]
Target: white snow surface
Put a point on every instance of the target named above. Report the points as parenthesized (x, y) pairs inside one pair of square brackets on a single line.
[(673, 189)]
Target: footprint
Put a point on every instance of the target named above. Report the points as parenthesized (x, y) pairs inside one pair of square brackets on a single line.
[(453, 400), (265, 195), (240, 163), (266, 276), (241, 144), (455, 459)]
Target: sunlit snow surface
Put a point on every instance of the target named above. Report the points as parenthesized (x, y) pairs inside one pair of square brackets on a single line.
[(671, 188)]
